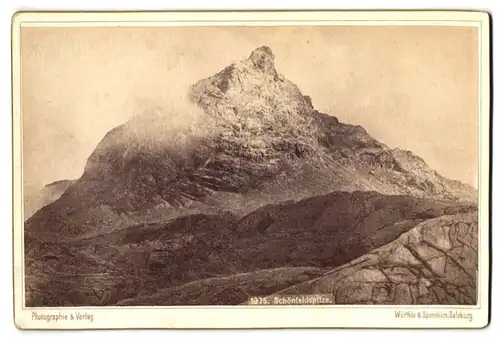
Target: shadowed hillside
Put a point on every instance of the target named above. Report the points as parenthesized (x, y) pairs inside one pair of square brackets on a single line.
[(298, 239)]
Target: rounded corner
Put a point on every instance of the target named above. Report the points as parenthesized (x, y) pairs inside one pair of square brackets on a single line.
[(485, 324), (19, 326), (16, 18), (486, 17)]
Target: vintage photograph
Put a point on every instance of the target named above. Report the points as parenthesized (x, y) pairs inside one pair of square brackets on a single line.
[(250, 165)]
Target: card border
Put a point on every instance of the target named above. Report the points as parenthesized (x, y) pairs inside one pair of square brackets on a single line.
[(290, 316)]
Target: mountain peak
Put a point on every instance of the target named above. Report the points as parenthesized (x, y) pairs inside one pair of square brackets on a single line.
[(263, 59), (250, 87), (263, 142)]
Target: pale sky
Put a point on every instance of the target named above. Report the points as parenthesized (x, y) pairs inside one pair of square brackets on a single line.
[(410, 87)]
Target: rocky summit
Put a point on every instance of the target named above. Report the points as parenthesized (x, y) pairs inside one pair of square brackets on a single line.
[(261, 189)]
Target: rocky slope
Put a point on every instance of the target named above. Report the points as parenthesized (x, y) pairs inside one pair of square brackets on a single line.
[(293, 241), (433, 263)]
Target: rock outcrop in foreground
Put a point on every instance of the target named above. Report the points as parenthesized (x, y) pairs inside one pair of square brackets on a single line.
[(433, 263)]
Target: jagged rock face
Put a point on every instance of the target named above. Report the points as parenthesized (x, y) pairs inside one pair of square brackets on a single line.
[(266, 144), (271, 127)]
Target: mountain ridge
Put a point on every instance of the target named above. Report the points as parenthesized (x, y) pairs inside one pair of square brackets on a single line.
[(254, 192), (268, 144)]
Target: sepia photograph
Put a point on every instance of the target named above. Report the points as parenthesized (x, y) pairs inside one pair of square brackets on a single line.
[(248, 165)]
